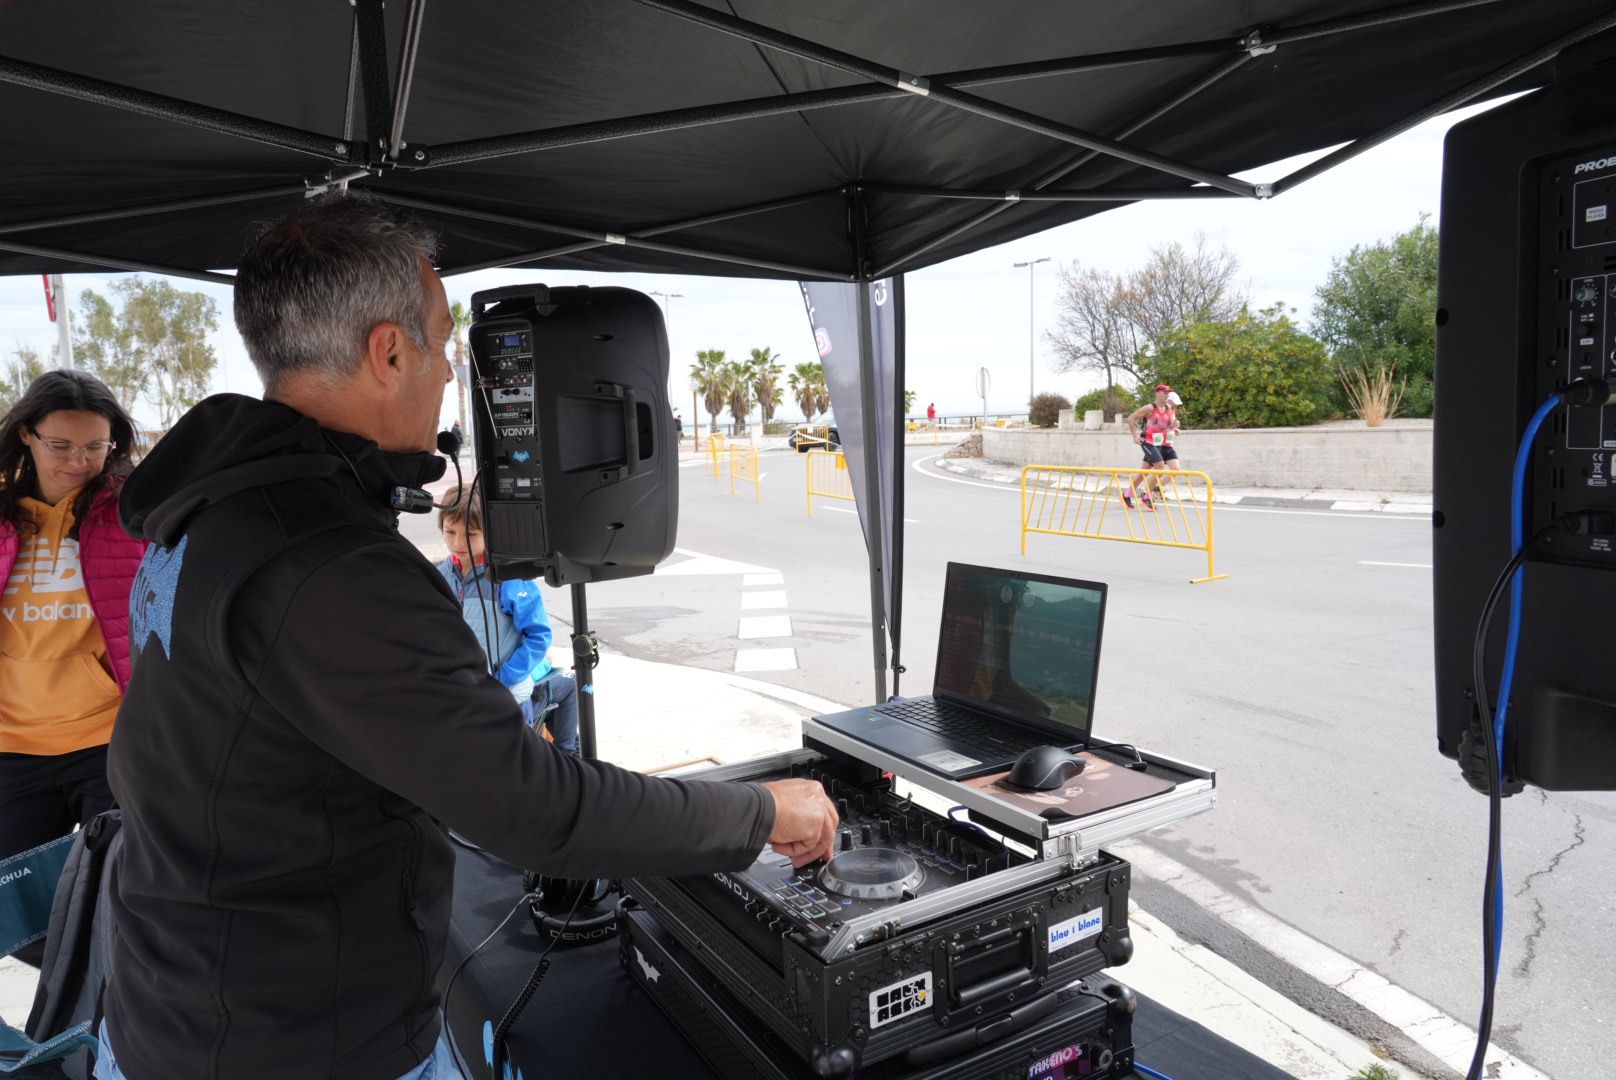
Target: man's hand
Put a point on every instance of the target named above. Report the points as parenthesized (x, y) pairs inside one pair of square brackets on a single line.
[(804, 821)]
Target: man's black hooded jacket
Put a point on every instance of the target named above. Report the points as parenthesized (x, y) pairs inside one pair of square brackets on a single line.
[(307, 706)]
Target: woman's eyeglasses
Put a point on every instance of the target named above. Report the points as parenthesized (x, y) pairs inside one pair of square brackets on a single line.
[(62, 448)]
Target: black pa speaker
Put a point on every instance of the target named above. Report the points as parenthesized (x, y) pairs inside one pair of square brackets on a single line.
[(577, 463), (1526, 303)]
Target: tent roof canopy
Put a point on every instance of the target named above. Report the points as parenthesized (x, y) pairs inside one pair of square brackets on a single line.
[(840, 140)]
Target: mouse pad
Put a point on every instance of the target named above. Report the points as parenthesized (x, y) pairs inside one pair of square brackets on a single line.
[(1101, 785)]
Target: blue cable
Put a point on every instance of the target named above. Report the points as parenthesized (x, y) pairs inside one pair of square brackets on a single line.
[(1148, 1071), (1517, 512)]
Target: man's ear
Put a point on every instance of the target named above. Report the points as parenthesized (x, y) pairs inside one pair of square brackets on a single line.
[(384, 356)]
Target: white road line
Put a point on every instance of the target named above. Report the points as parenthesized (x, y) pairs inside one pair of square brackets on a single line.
[(762, 601), (761, 626), (1410, 565), (1011, 489), (698, 564), (845, 510), (766, 659), (1441, 1035)]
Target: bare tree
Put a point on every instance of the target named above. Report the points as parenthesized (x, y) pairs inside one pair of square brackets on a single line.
[(1179, 285), (1093, 331), (1109, 322)]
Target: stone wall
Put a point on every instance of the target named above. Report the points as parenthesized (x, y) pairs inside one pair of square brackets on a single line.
[(1396, 457)]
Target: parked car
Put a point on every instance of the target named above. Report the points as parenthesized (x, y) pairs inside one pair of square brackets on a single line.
[(806, 437)]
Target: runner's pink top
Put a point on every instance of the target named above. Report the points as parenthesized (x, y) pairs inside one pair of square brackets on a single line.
[(1159, 425)]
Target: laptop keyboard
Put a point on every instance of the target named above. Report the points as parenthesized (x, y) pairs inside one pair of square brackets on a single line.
[(979, 735)]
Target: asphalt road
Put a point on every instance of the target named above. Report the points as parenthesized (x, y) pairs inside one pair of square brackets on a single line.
[(1305, 679)]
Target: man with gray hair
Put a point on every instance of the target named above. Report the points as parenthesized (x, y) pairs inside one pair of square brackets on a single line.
[(309, 711)]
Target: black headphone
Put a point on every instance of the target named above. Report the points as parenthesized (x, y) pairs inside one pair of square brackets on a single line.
[(556, 906)]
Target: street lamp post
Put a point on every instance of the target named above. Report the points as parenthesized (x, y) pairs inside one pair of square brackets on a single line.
[(695, 415), (1031, 340)]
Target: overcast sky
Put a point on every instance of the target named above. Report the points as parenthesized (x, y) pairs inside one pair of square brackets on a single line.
[(972, 311)]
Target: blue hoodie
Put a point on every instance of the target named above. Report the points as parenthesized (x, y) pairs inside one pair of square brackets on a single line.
[(517, 625)]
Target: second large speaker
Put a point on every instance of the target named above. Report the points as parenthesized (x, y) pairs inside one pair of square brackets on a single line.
[(575, 447)]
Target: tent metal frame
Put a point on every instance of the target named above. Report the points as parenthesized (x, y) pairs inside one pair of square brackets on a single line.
[(386, 103)]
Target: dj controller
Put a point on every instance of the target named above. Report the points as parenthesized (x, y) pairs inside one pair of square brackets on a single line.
[(919, 932)]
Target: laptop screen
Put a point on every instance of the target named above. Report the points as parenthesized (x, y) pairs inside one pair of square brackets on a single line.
[(1023, 645)]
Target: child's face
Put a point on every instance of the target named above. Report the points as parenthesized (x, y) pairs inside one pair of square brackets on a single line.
[(464, 544)]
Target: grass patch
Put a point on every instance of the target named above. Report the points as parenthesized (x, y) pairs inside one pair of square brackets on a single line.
[(1376, 1071)]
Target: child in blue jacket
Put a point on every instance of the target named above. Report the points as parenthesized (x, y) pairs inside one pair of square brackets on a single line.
[(510, 624)]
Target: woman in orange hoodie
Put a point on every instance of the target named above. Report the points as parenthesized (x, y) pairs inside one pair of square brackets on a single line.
[(68, 567)]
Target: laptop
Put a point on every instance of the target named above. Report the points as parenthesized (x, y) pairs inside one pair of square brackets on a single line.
[(1017, 659)]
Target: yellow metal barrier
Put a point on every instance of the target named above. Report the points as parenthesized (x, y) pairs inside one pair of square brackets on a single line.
[(1068, 501), (828, 477), (717, 448), (743, 465)]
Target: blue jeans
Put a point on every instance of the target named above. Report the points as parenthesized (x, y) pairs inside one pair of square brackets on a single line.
[(440, 1066), (555, 701)]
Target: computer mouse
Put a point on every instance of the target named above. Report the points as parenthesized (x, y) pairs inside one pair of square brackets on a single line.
[(1044, 768)]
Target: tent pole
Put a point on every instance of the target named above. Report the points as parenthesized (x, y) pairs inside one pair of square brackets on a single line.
[(1060, 172), (595, 236), (655, 230), (1368, 20), (1091, 195), (115, 265), (528, 142), (285, 191), (942, 93), (1474, 89), (162, 107), (371, 21), (406, 75)]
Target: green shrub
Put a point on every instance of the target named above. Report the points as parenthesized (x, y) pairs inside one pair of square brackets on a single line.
[(1255, 370), (1095, 399), (1046, 409)]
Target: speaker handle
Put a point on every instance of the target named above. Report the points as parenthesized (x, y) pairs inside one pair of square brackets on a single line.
[(538, 295), (631, 432)]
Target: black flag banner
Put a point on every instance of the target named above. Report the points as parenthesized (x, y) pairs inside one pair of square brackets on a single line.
[(858, 333)]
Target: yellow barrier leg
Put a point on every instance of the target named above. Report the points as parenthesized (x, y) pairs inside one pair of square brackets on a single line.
[(1211, 574), (1024, 511)]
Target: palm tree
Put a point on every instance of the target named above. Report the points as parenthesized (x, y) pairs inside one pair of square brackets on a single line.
[(821, 389), (908, 402), (712, 383), (766, 383), (462, 321), (805, 380), (740, 376)]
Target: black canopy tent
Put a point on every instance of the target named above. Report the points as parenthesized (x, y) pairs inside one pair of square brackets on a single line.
[(839, 140)]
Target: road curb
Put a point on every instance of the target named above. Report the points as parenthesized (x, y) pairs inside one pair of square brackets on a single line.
[(1401, 504)]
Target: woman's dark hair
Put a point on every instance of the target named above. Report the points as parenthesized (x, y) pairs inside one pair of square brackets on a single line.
[(58, 391)]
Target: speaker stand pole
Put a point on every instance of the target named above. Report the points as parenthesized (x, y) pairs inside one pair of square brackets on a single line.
[(585, 655)]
